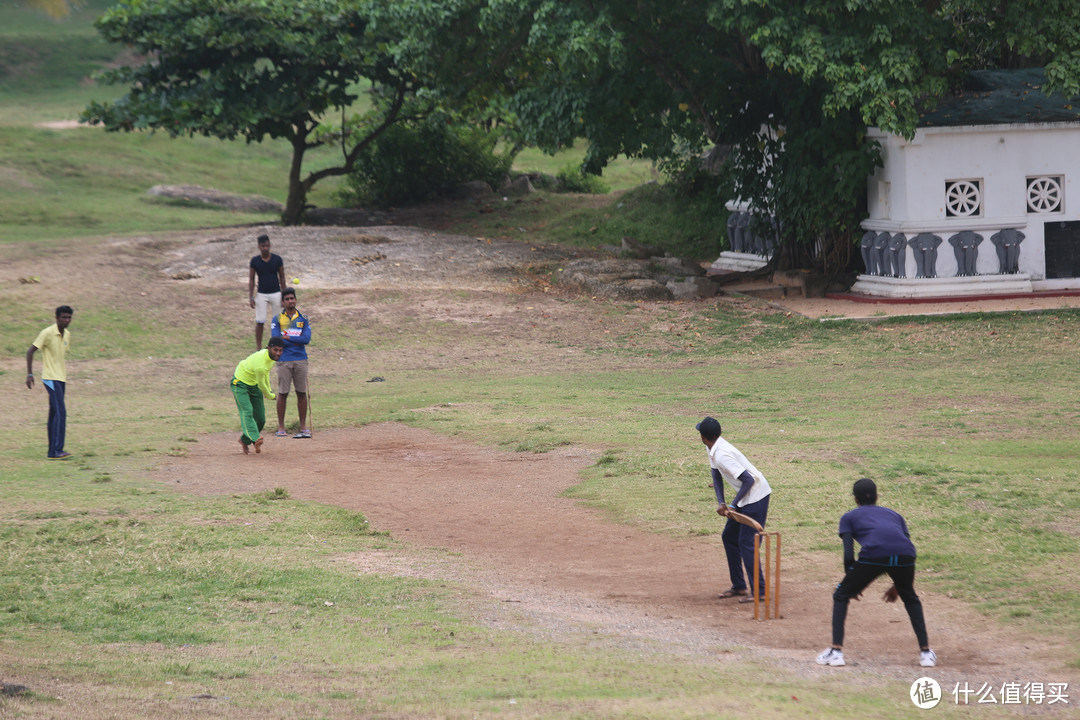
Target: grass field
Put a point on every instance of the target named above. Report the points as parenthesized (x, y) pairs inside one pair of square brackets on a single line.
[(127, 599), (135, 597)]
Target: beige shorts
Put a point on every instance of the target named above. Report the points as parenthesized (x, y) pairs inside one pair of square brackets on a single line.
[(290, 372), (266, 305)]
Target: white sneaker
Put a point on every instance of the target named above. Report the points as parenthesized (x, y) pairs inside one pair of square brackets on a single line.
[(831, 657), (927, 658)]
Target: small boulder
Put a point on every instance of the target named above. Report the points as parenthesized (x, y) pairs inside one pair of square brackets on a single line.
[(677, 266), (209, 196), (692, 288), (521, 185)]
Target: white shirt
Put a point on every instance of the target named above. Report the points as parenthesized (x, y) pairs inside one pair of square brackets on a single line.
[(731, 463)]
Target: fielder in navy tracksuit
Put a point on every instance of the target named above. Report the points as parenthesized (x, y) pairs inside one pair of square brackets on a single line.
[(885, 547)]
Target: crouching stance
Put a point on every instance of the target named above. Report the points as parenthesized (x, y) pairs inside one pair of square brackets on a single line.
[(885, 547), (752, 493), (250, 384)]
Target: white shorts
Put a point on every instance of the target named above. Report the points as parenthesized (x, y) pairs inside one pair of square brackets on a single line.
[(266, 305)]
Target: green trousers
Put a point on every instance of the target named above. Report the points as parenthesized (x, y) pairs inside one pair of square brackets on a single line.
[(249, 401)]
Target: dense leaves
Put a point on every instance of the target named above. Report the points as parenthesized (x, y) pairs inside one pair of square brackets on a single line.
[(424, 160), (789, 87), (784, 90), (990, 34), (256, 69)]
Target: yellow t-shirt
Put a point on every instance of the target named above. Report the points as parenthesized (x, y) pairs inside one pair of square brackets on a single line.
[(53, 347), (255, 370)]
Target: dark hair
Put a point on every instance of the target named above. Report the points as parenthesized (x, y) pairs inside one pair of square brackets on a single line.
[(275, 342), (865, 491), (709, 428), (64, 309), (264, 238), (287, 291)]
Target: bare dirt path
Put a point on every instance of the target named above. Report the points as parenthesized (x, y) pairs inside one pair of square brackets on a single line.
[(514, 538)]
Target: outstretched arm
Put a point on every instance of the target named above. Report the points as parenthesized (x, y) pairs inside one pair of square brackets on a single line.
[(263, 381)]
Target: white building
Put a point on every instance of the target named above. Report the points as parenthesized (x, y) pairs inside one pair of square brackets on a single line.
[(984, 200)]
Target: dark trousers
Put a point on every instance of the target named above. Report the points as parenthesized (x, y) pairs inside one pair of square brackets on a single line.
[(739, 545), (57, 425), (902, 571)]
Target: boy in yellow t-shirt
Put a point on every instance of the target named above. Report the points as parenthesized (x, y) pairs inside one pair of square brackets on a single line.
[(53, 343), (250, 384)]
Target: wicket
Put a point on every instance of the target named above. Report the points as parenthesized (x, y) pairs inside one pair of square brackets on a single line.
[(772, 585)]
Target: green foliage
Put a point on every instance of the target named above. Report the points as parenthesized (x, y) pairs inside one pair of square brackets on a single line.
[(573, 179), (810, 178), (254, 69), (1010, 35), (666, 80), (424, 160)]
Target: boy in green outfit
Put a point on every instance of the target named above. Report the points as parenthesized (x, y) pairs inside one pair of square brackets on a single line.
[(250, 384)]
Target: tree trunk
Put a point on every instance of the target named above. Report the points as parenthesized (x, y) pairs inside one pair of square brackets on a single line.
[(298, 189)]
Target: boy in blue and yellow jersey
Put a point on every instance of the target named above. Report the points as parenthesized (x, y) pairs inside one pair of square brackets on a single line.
[(250, 383), (53, 343), (295, 330)]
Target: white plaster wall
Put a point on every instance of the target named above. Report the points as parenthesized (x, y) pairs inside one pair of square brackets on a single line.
[(908, 194)]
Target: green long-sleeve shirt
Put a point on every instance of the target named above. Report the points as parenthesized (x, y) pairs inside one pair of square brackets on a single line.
[(254, 370)]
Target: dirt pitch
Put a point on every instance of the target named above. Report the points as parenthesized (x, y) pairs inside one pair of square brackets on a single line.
[(496, 521)]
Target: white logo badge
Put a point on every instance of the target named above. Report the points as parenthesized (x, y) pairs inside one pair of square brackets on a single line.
[(925, 693)]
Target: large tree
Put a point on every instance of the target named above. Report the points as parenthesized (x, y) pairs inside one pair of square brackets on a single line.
[(262, 69), (789, 87)]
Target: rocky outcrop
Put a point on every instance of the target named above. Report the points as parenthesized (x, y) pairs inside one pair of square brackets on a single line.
[(209, 196), (344, 217), (655, 278)]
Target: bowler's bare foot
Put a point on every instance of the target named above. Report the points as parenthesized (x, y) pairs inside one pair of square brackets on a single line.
[(244, 445), (258, 445)]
